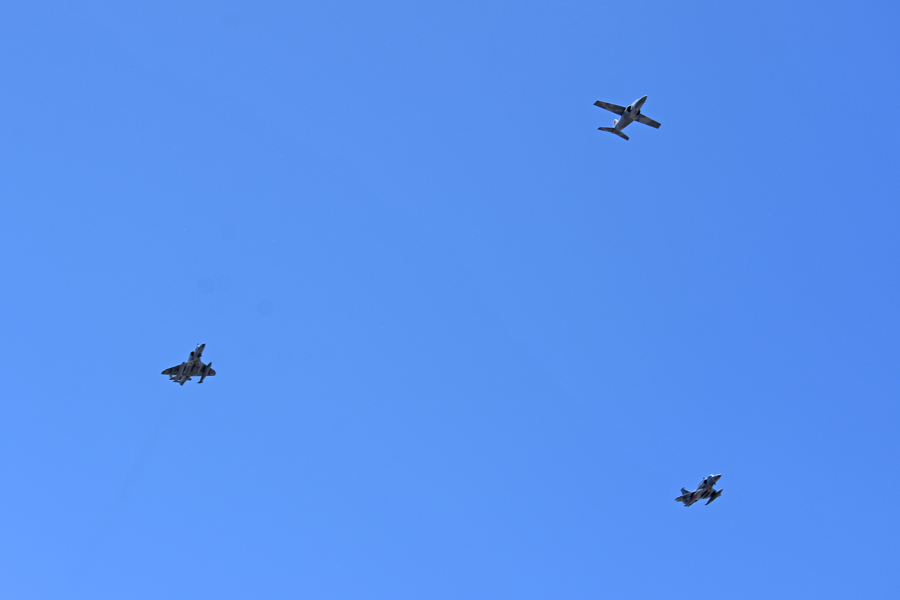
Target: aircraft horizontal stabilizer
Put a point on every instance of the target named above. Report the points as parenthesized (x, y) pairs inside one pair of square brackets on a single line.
[(614, 131)]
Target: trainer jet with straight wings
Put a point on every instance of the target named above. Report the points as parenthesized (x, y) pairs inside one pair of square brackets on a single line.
[(629, 113), (703, 491), (191, 367)]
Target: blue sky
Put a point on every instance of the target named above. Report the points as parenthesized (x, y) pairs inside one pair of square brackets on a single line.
[(467, 346)]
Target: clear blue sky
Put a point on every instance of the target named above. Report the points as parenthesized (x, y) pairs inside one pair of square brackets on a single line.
[(467, 345)]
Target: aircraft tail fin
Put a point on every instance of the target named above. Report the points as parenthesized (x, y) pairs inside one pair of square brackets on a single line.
[(614, 131), (684, 491)]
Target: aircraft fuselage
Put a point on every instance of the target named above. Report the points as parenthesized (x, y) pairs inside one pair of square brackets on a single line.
[(631, 113)]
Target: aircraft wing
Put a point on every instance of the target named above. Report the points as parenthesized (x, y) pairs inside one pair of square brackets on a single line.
[(610, 107), (172, 371), (647, 121)]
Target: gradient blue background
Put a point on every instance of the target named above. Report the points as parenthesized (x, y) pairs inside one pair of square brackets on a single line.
[(467, 346)]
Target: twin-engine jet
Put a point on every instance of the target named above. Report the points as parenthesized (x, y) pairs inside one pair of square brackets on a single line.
[(629, 113), (703, 491), (191, 367)]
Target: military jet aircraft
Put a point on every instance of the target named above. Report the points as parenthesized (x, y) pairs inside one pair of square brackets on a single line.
[(191, 367), (629, 113), (704, 490)]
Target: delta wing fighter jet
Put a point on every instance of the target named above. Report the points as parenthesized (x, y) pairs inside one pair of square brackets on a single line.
[(629, 113), (191, 367), (703, 491)]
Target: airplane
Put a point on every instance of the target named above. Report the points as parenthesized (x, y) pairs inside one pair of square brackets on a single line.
[(191, 367), (629, 113), (704, 490)]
